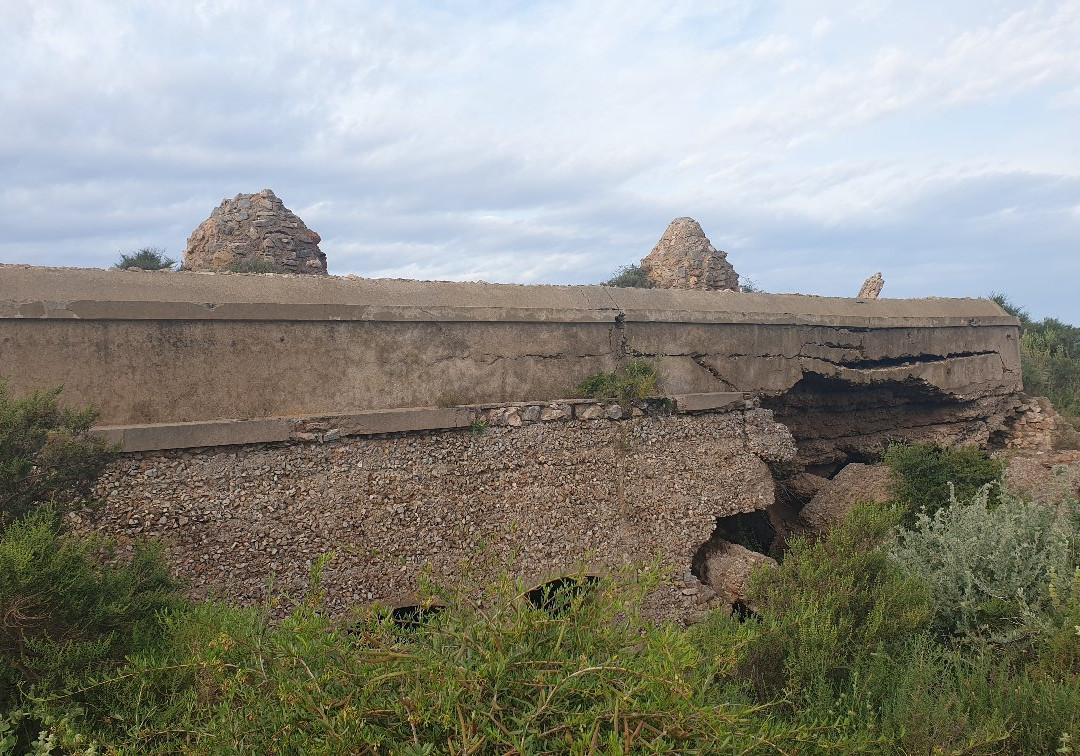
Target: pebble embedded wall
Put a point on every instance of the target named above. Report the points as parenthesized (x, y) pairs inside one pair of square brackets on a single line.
[(556, 493)]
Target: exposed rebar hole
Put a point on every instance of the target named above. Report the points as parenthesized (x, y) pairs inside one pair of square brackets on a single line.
[(556, 597)]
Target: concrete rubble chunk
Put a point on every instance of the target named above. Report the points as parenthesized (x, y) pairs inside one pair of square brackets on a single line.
[(253, 228), (836, 498), (684, 258), (728, 568), (872, 287)]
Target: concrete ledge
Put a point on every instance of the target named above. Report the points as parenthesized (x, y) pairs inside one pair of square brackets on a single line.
[(387, 421), (710, 401), (134, 438), (139, 438), (31, 292)]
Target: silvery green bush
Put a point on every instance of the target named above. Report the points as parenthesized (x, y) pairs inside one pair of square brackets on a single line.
[(988, 565)]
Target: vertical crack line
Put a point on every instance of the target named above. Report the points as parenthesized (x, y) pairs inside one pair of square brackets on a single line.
[(622, 348)]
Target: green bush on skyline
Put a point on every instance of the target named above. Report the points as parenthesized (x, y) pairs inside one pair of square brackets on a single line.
[(147, 258)]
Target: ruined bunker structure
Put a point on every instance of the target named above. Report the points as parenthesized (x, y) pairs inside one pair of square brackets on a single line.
[(269, 419)]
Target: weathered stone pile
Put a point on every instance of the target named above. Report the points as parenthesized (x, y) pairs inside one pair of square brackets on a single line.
[(1034, 425), (684, 258), (254, 228)]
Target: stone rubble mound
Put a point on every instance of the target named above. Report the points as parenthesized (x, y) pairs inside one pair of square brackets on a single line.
[(684, 258), (254, 228)]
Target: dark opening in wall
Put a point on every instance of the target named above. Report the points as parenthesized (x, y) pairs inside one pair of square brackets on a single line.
[(412, 616), (557, 597), (752, 530), (743, 613)]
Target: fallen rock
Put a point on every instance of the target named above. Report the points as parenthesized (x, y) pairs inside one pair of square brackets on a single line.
[(806, 485), (727, 569), (871, 287), (835, 500), (254, 228), (684, 258)]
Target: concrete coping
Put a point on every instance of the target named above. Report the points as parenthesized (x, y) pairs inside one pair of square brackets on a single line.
[(325, 428), (32, 292)]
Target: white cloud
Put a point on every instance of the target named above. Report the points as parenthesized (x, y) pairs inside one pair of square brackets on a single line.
[(551, 141)]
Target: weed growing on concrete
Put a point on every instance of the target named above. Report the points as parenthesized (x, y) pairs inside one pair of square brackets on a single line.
[(635, 381), (479, 426), (447, 400)]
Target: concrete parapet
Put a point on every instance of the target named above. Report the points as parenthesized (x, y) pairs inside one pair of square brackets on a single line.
[(210, 354)]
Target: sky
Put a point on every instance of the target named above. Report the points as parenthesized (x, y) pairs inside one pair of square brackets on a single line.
[(552, 142)]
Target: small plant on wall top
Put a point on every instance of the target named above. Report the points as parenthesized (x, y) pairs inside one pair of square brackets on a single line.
[(636, 380), (147, 258), (631, 277)]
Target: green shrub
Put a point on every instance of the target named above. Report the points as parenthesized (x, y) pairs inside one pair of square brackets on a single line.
[(933, 697), (1061, 628), (47, 454), (72, 609), (493, 675), (255, 265), (631, 277), (1049, 358), (922, 473), (636, 380), (987, 565), (829, 603), (147, 258)]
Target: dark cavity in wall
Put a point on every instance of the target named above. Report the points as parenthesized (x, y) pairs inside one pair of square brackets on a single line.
[(835, 422), (751, 530), (558, 596), (412, 616)]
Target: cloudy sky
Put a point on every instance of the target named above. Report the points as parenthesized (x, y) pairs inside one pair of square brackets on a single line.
[(817, 143)]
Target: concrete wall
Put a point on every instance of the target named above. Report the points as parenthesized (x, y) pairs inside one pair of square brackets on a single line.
[(167, 348), (315, 414)]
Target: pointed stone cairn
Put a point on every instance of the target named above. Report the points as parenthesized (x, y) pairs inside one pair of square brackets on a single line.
[(684, 258), (871, 287), (252, 228)]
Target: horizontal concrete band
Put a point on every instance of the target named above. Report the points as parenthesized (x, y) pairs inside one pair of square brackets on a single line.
[(159, 436), (28, 292)]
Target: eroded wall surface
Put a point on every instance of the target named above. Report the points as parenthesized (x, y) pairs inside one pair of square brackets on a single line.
[(540, 499)]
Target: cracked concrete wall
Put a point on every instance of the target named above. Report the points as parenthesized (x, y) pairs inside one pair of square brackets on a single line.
[(173, 347)]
